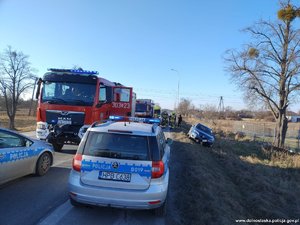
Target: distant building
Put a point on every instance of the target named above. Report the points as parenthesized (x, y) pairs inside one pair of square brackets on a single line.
[(293, 119)]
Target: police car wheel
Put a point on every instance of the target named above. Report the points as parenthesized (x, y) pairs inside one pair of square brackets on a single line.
[(43, 164)]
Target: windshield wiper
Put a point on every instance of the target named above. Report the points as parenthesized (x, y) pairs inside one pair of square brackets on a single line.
[(80, 102), (106, 153), (111, 154), (55, 100)]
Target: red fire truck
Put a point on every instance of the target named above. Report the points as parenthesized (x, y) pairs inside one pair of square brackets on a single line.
[(69, 101), (144, 108)]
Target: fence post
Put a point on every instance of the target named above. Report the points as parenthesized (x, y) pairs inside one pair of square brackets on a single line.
[(274, 134), (264, 132), (298, 139)]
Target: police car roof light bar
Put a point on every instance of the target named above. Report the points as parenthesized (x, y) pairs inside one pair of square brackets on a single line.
[(134, 119)]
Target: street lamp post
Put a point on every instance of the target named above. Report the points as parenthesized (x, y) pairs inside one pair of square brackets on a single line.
[(177, 86)]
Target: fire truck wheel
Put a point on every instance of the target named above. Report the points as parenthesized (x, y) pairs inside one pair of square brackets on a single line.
[(57, 147)]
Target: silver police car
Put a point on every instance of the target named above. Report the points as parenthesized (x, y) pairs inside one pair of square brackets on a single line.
[(122, 164), (20, 156)]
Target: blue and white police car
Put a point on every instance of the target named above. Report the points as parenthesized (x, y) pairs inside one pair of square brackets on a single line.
[(123, 164), (21, 155)]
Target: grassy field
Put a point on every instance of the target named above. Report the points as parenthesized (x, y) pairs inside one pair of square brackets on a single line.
[(23, 122), (232, 180)]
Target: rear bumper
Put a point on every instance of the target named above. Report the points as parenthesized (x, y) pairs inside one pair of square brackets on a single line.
[(118, 198)]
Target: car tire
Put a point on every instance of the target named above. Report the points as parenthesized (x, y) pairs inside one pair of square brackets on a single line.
[(75, 203), (57, 147), (43, 164)]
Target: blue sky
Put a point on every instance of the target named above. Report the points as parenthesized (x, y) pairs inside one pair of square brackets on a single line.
[(138, 42)]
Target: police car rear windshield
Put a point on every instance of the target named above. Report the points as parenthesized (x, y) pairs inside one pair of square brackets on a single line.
[(122, 146)]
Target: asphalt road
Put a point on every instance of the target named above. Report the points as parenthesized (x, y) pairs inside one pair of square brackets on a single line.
[(44, 200)]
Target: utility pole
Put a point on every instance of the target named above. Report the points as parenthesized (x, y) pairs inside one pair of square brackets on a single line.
[(221, 107), (177, 87)]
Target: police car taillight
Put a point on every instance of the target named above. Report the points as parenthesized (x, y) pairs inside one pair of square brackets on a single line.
[(77, 162), (158, 169)]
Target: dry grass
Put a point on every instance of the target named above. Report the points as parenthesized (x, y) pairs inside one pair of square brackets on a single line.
[(232, 180), (23, 122)]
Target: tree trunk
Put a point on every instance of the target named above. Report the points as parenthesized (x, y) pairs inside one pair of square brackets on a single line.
[(12, 122), (281, 129)]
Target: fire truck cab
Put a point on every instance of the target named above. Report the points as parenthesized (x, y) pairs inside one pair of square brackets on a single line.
[(144, 108), (69, 101)]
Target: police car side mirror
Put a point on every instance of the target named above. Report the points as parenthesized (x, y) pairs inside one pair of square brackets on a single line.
[(169, 141), (28, 143)]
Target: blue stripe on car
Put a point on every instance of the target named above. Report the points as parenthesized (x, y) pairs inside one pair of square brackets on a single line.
[(144, 171), (19, 155)]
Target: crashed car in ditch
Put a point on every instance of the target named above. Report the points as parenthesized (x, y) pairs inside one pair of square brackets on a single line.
[(201, 134)]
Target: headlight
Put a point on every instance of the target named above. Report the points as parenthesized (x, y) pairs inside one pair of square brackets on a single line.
[(195, 133), (41, 125)]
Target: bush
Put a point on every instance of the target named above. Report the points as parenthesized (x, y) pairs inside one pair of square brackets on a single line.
[(239, 136)]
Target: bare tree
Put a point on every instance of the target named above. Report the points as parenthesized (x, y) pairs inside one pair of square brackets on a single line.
[(15, 78), (185, 106), (210, 111), (268, 69)]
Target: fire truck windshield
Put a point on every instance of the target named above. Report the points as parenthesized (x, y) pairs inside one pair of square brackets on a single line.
[(141, 107), (62, 93)]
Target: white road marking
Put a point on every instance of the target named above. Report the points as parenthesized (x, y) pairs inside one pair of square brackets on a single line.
[(57, 214)]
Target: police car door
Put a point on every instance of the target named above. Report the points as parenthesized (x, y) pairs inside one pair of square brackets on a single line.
[(14, 162)]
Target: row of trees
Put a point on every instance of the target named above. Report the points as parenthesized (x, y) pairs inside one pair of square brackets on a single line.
[(211, 112)]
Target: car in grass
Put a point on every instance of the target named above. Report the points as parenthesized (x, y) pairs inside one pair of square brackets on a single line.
[(122, 164), (201, 134), (21, 155)]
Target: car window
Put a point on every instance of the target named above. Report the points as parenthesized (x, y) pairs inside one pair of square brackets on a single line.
[(161, 142), (113, 145), (154, 148), (9, 140), (203, 128)]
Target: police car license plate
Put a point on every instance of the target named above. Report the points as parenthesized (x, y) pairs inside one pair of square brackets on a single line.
[(104, 175)]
